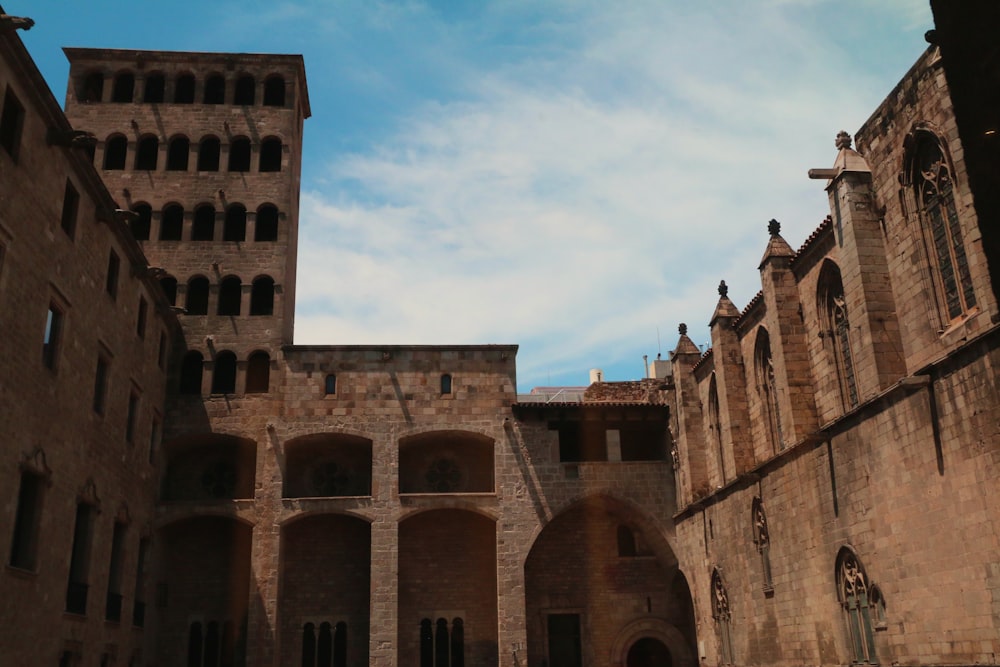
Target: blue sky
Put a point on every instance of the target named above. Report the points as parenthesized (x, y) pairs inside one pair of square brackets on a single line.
[(572, 176)]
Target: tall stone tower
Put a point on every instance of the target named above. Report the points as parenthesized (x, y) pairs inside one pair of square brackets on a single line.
[(206, 149)]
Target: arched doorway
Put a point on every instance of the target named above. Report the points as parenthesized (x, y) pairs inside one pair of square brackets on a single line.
[(648, 652)]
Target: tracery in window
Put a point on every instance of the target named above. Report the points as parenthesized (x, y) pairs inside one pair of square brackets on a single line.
[(837, 327), (762, 540), (854, 594), (931, 177), (722, 615), (767, 388), (325, 645), (441, 645), (715, 426)]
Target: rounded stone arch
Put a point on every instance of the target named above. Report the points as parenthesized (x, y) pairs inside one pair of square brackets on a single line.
[(447, 461), (302, 515), (168, 517), (669, 635), (651, 529), (451, 504), (209, 466), (327, 465)]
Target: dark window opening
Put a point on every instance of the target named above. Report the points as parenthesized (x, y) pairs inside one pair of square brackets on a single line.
[(154, 90), (143, 224), (131, 416), (274, 91), (762, 540), (643, 442), (146, 154), (161, 354), (258, 373), (565, 649), (192, 368), (24, 545), (79, 566), (11, 123), (123, 89), (113, 604), (224, 373), (445, 384), (71, 206), (626, 542), (239, 154), (235, 226), (52, 338), (215, 89), (111, 285), (172, 223), (270, 155), (197, 296), (115, 149), (169, 286), (139, 608), (230, 293), (203, 228), (178, 153), (208, 154), (266, 226), (854, 594), (441, 646), (93, 88), (723, 617), (140, 322), (101, 384), (582, 442), (245, 90), (330, 384), (184, 89), (262, 296)]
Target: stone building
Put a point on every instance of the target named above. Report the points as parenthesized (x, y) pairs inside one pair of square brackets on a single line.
[(814, 489)]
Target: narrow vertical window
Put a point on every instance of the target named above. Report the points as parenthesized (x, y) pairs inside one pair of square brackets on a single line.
[(28, 518), (92, 89), (837, 328), (172, 223), (324, 646), (139, 607), (53, 334), (169, 286), (131, 416), (441, 643), (853, 592), (262, 296), (147, 153), (245, 90), (203, 228), (224, 373), (274, 91), (445, 384), (184, 89), (426, 643), (115, 149), (270, 154), (113, 603), (178, 153), (330, 384), (111, 284), (715, 426), (722, 615), (235, 226), (195, 645), (762, 540), (79, 566), (155, 429), (142, 224), (196, 302), (258, 373), (230, 294), (161, 352), (70, 209), (239, 154), (767, 388), (215, 89), (155, 86), (309, 645), (192, 369), (11, 123), (101, 384), (340, 645), (208, 154), (931, 177), (140, 320), (266, 226), (123, 88)]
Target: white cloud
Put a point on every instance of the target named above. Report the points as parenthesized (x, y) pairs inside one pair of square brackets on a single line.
[(579, 200)]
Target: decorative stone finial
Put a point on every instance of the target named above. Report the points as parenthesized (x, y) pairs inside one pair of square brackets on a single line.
[(843, 140), (773, 227), (723, 289), (683, 329)]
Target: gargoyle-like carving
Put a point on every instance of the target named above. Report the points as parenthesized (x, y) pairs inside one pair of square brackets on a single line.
[(70, 138), (8, 23)]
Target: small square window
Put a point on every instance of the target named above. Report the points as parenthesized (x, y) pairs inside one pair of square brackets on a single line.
[(11, 123)]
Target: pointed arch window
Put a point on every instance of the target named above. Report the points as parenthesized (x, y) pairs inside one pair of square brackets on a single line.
[(767, 388), (931, 178), (762, 540), (715, 425), (722, 615), (837, 326), (854, 594)]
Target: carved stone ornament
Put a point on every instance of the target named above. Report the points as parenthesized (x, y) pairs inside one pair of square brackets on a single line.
[(683, 329), (88, 493), (843, 140), (34, 462), (723, 289), (773, 227)]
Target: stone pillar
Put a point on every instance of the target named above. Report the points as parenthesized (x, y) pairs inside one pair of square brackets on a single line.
[(690, 433), (731, 385), (512, 634), (384, 605)]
